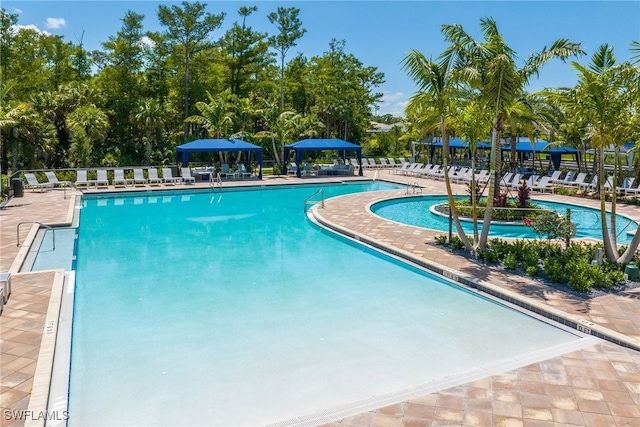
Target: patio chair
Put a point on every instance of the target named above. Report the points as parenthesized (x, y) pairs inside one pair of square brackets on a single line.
[(293, 169), (383, 162), (515, 181), (226, 172), (632, 191), (243, 172), (506, 178), (102, 180), (138, 177), (168, 178), (81, 179), (186, 176), (392, 163), (555, 176), (118, 178), (53, 179), (153, 176), (402, 169), (32, 182)]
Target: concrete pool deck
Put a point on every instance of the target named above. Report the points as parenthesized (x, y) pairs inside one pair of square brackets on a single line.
[(598, 386)]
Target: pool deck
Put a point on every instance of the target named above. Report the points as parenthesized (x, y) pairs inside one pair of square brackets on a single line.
[(595, 386)]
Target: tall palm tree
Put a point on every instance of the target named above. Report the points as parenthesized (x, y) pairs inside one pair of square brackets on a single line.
[(87, 124), (603, 98), (214, 116), (437, 85), (490, 67)]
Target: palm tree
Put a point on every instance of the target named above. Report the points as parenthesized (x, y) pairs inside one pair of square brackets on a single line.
[(87, 124), (150, 114), (214, 116), (604, 98), (437, 86), (490, 67)]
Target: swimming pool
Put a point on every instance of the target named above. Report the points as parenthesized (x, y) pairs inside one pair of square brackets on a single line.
[(232, 308), (416, 211)]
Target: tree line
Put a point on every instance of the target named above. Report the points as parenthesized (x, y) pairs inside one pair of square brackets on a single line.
[(132, 101)]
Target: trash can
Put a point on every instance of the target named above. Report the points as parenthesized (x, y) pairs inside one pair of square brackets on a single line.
[(18, 187), (632, 272)]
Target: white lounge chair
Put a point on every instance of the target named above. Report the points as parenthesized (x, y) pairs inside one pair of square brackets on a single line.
[(542, 185), (592, 185), (392, 163), (383, 162), (506, 178), (186, 176), (32, 182), (53, 179), (102, 179), (554, 177), (570, 176), (578, 181), (293, 169), (402, 169), (138, 177), (153, 176), (632, 191), (119, 179), (81, 179), (168, 178)]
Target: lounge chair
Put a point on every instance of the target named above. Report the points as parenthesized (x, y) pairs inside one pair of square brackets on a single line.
[(153, 176), (53, 179), (383, 162), (226, 172), (585, 186), (186, 176), (402, 169), (118, 178), (243, 172), (562, 181), (578, 181), (168, 178), (392, 163), (555, 176), (372, 163), (515, 181), (81, 179), (626, 183), (293, 169), (542, 185), (632, 190), (138, 177), (32, 182), (482, 176), (506, 178), (102, 180)]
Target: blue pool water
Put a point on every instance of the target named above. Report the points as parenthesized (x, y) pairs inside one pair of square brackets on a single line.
[(416, 211), (234, 309)]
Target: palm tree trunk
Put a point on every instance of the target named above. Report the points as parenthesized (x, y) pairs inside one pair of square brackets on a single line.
[(486, 222), (609, 249), (447, 181)]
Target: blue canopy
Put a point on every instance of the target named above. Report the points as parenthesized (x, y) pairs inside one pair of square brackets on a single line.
[(322, 144), (457, 143), (184, 151), (542, 147)]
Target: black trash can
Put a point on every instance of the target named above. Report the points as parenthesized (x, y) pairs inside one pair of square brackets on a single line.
[(18, 187)]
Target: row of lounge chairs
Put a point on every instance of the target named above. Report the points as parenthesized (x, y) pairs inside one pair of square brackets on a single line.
[(382, 163), (514, 180)]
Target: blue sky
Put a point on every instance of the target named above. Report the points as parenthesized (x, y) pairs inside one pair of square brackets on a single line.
[(378, 33)]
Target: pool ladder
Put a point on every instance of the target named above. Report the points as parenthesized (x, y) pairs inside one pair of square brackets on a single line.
[(53, 231), (215, 182), (414, 187), (308, 200)]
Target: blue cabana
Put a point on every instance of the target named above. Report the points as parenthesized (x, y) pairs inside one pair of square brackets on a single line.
[(183, 152), (319, 145), (542, 147), (456, 144)]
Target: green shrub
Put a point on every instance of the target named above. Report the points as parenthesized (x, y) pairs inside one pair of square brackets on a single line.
[(456, 243), (510, 261), (500, 247), (441, 240), (488, 255), (532, 270), (580, 274), (554, 269)]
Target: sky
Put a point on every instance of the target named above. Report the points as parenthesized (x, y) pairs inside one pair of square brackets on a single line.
[(378, 33)]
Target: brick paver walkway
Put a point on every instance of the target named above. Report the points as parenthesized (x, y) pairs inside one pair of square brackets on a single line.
[(596, 386)]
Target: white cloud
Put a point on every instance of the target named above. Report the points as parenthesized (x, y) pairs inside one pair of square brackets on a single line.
[(55, 23), (148, 42), (17, 28), (18, 11), (392, 103)]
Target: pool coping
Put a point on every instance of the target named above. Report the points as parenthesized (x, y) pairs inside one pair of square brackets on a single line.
[(572, 321)]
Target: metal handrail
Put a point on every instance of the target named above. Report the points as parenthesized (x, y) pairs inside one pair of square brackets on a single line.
[(53, 230), (215, 181), (306, 201)]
